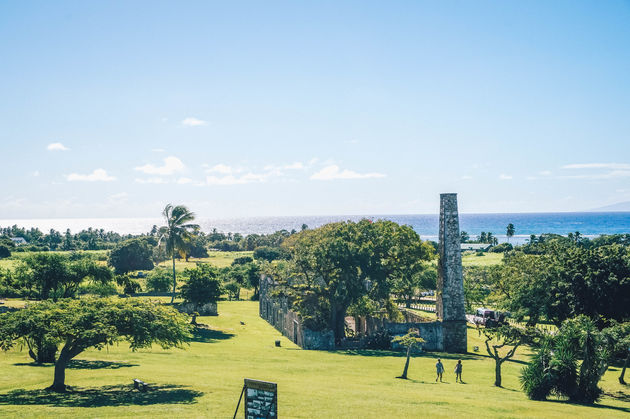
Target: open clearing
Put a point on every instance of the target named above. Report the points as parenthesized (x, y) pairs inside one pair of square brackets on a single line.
[(205, 380)]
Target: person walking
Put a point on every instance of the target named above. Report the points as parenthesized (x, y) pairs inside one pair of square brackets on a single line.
[(439, 367), (458, 371)]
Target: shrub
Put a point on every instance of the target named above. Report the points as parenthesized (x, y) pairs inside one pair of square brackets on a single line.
[(270, 253), (159, 280), (243, 260), (4, 251), (502, 248)]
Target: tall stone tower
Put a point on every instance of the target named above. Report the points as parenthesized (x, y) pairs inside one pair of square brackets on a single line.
[(450, 286)]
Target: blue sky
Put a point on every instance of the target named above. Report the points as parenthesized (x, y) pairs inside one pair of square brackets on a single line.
[(112, 109)]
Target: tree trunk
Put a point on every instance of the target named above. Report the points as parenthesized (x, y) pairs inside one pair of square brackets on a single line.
[(59, 382), (339, 323), (497, 373), (41, 352), (623, 370), (174, 281), (404, 374)]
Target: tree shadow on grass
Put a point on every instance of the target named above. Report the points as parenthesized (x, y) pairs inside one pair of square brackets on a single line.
[(596, 405), (102, 396), (83, 364), (389, 352), (206, 335)]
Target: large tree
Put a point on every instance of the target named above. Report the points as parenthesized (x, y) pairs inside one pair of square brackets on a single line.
[(202, 286), (77, 325), (176, 234), (566, 280), (131, 255), (335, 265)]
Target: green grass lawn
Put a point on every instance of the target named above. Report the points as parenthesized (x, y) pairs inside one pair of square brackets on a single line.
[(206, 379), (219, 259), (487, 259)]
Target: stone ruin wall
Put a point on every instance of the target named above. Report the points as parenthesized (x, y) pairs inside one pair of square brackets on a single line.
[(448, 334), (276, 311)]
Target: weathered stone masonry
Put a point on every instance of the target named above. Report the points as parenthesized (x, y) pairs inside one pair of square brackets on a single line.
[(450, 303), (276, 311)]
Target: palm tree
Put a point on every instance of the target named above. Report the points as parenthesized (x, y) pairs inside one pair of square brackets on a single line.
[(509, 231), (176, 234)]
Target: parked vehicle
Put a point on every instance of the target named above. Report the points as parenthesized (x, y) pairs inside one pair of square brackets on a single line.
[(490, 318)]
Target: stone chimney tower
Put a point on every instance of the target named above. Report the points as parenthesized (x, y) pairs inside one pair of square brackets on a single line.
[(450, 286)]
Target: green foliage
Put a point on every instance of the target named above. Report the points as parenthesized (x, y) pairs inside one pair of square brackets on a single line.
[(243, 260), (176, 235), (502, 248), (4, 251), (270, 254), (131, 255), (202, 285), (77, 325), (479, 284), (567, 280), (502, 342), (334, 266), (130, 285), (410, 339), (570, 363), (51, 275), (159, 280)]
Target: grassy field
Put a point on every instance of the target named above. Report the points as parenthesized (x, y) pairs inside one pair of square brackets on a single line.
[(471, 259), (205, 380), (219, 259)]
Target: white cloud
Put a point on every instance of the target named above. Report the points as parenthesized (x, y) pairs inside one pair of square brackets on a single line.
[(36, 173), (154, 180), (466, 177), (193, 122), (237, 180), (222, 168), (57, 147), (614, 166), (613, 174), (121, 196), (158, 150), (294, 166), (184, 180), (171, 165), (98, 175), (545, 173), (334, 172), (503, 176)]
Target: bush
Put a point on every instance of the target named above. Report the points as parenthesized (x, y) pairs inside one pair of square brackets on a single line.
[(270, 253), (99, 289), (159, 280), (502, 248), (130, 285), (4, 251), (243, 260)]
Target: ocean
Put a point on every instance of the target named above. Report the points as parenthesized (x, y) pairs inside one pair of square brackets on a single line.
[(589, 224)]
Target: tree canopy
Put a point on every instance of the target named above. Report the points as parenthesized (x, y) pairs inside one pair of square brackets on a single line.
[(131, 255), (335, 265), (79, 324)]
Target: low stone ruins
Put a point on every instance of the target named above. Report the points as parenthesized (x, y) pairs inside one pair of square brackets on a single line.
[(447, 334)]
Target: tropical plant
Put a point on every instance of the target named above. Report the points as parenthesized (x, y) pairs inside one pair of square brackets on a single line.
[(176, 234), (509, 231)]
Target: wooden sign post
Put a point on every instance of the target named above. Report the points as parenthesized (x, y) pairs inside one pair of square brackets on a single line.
[(261, 399)]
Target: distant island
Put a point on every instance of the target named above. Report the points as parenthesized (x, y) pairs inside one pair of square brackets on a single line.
[(619, 206)]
